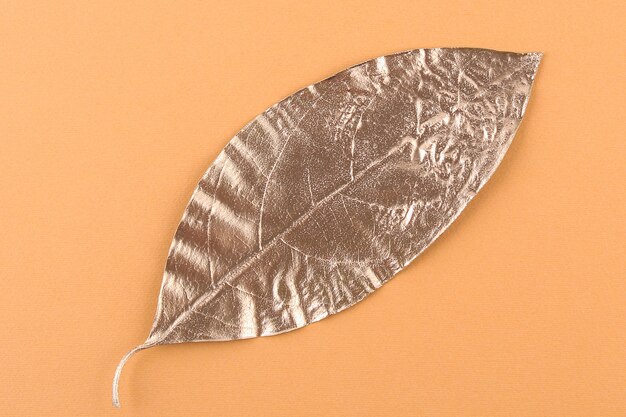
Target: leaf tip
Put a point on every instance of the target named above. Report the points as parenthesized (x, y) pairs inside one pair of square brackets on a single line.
[(534, 58)]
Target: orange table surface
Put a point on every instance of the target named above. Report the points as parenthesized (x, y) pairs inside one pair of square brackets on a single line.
[(110, 111)]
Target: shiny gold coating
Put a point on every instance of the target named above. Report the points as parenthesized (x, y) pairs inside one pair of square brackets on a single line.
[(329, 193)]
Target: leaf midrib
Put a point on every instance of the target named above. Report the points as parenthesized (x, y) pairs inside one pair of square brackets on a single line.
[(246, 263)]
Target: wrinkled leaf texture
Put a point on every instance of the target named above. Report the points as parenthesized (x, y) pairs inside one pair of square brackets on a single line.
[(329, 193)]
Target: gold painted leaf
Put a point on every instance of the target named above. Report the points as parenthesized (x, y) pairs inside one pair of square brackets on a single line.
[(329, 193)]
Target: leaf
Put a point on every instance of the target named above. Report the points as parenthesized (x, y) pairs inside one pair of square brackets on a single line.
[(329, 193)]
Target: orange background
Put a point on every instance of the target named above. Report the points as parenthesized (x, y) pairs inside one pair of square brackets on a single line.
[(111, 111)]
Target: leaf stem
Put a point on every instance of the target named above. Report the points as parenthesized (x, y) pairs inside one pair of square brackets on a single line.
[(118, 370)]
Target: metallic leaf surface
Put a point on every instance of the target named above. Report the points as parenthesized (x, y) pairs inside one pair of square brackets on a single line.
[(329, 193)]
